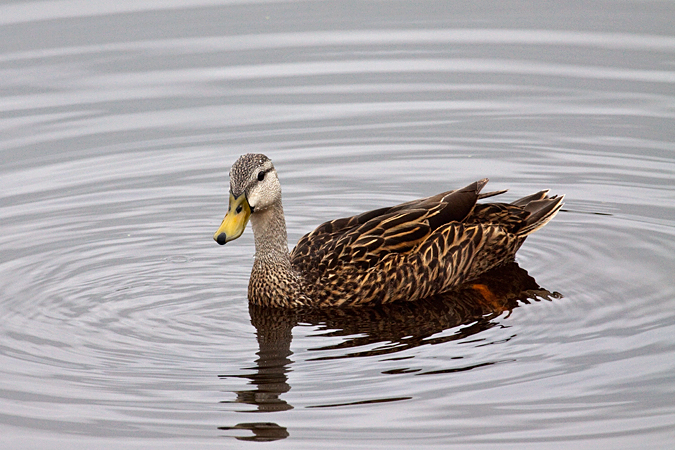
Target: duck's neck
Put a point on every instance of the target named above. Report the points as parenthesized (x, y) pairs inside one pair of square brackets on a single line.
[(269, 232), (273, 281)]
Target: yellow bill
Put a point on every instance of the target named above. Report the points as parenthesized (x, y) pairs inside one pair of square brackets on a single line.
[(235, 220)]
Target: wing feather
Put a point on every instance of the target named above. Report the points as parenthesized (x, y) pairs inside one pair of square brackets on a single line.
[(417, 248)]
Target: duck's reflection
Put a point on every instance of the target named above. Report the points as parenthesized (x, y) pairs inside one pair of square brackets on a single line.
[(397, 327)]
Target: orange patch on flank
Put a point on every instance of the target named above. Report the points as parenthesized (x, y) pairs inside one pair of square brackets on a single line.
[(487, 294)]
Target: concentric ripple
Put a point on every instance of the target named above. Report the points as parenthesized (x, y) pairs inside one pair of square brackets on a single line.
[(122, 319)]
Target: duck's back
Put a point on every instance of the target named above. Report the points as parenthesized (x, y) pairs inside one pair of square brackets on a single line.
[(416, 249)]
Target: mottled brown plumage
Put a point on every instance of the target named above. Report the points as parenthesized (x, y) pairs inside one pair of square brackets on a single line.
[(406, 252)]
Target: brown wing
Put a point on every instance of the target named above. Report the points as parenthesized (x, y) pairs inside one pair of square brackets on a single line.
[(416, 249), (360, 242), (452, 254)]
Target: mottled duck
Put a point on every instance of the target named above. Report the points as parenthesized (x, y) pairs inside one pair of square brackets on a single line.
[(405, 252)]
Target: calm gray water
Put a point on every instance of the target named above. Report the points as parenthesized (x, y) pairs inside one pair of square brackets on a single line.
[(123, 325)]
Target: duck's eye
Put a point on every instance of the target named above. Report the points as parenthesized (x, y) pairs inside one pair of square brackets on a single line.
[(261, 176)]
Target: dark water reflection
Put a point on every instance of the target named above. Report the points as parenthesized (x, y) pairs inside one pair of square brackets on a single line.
[(383, 330), (119, 121)]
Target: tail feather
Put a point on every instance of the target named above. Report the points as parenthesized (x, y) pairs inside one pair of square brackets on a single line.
[(490, 194), (542, 209), (530, 198)]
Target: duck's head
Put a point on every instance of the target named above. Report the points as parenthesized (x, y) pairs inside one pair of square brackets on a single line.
[(254, 187)]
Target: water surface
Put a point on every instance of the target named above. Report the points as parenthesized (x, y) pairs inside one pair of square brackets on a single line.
[(125, 326)]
